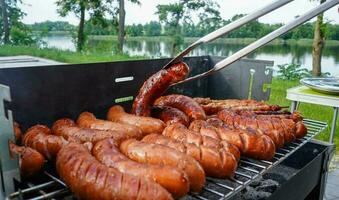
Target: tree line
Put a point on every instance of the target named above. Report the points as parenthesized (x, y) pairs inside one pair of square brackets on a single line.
[(107, 17), (252, 30)]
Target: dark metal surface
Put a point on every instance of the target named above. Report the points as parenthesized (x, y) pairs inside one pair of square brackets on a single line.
[(236, 80), (42, 94), (8, 165)]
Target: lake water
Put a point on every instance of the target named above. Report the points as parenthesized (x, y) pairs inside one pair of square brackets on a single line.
[(279, 54)]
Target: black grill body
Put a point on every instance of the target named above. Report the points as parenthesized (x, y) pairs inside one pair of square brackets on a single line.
[(44, 94)]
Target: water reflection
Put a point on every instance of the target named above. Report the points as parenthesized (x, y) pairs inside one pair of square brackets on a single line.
[(280, 54)]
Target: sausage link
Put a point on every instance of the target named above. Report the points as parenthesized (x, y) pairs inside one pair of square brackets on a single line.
[(30, 160), (217, 163), (39, 138), (171, 178), (183, 103), (68, 129), (89, 179), (17, 132), (162, 155), (147, 125), (88, 120), (170, 115), (184, 135), (250, 142), (155, 86)]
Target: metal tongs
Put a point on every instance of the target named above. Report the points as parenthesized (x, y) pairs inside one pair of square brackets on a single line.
[(255, 45)]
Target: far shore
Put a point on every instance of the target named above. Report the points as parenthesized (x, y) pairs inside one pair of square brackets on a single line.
[(243, 41)]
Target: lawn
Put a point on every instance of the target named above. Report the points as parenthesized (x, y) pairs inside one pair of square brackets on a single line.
[(311, 111), (62, 55)]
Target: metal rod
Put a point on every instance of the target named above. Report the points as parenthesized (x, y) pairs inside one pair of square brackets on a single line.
[(266, 39), (229, 27), (334, 121), (30, 189)]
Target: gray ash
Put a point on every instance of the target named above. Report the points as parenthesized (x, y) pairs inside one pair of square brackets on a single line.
[(259, 189)]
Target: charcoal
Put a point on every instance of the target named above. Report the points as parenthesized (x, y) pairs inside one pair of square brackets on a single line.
[(251, 194), (268, 185)]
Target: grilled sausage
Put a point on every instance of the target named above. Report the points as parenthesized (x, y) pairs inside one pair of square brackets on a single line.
[(88, 120), (17, 132), (170, 115), (217, 163), (264, 123), (171, 178), (147, 125), (39, 138), (162, 155), (68, 129), (183, 103), (88, 179), (30, 160), (211, 106), (249, 142), (182, 134), (155, 86)]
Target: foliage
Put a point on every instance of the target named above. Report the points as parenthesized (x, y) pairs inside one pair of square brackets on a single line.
[(174, 15), (48, 26), (152, 29), (292, 72), (135, 30), (20, 33), (79, 8)]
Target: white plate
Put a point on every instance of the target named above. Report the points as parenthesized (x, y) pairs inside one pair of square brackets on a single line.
[(325, 85)]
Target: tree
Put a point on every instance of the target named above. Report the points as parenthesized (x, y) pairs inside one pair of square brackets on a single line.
[(134, 30), (5, 23), (79, 8), (152, 29), (174, 15), (121, 29), (116, 8), (318, 44)]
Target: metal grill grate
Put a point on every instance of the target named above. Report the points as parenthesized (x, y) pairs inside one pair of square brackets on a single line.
[(248, 170)]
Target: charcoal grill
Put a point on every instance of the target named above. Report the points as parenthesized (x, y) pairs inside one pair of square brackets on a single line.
[(44, 94)]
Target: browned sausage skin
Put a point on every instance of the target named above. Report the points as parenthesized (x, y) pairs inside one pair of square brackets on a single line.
[(171, 178), (216, 162), (88, 120), (250, 142), (39, 138), (162, 155), (147, 125), (89, 179), (170, 115), (17, 132), (69, 130), (183, 103), (156, 85), (30, 160)]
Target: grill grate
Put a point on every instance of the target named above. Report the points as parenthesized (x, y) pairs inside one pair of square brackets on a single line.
[(248, 170)]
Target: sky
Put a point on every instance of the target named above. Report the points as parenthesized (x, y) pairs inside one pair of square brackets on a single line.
[(42, 10)]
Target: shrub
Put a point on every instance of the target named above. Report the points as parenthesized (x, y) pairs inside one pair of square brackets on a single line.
[(292, 72)]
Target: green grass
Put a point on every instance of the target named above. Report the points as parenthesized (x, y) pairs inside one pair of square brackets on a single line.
[(63, 56), (311, 111)]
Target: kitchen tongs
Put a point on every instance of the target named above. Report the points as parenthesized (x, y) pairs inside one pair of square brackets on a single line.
[(255, 45)]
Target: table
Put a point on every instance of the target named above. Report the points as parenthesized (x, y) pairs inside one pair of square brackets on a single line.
[(304, 94)]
